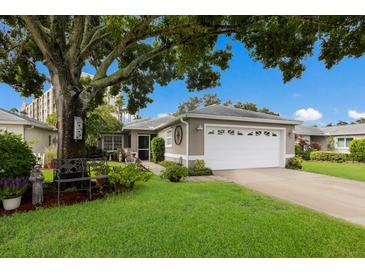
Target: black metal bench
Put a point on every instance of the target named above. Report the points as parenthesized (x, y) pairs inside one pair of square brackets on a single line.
[(78, 170)]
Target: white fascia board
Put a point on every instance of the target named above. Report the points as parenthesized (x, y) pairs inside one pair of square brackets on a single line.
[(243, 119)]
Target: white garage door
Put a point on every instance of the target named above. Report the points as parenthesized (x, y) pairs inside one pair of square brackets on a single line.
[(233, 148)]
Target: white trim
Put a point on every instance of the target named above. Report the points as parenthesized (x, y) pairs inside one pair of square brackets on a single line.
[(190, 157), (245, 119), (187, 141), (289, 156), (149, 145), (282, 138)]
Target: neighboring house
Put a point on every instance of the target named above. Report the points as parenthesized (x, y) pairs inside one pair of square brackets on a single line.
[(342, 135), (226, 138), (39, 135)]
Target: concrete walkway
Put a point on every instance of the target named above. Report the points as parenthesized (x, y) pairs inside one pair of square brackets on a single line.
[(154, 168), (338, 197)]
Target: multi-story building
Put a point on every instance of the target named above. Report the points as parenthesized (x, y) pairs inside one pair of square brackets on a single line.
[(40, 108)]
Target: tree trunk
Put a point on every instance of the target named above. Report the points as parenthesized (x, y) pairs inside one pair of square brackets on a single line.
[(69, 106)]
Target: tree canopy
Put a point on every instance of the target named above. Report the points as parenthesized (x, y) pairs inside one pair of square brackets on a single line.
[(131, 54), (209, 99)]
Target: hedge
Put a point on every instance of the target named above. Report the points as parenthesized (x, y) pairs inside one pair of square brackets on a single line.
[(357, 149), (158, 149), (331, 156), (294, 163)]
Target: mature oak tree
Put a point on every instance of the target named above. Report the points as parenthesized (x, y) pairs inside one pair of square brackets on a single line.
[(133, 53)]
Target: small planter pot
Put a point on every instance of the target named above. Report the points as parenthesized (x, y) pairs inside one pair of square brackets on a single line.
[(11, 204), (100, 181)]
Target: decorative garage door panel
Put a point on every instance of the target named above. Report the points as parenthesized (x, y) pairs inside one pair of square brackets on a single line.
[(232, 148)]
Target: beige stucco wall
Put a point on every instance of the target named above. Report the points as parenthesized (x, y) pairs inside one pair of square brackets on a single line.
[(16, 129), (321, 140), (39, 138), (197, 137), (175, 149)]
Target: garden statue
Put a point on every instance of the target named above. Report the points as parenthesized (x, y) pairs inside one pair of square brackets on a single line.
[(37, 180)]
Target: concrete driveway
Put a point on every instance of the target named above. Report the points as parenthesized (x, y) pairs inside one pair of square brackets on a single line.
[(338, 197)]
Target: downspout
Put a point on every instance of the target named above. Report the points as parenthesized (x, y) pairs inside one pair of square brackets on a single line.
[(187, 141)]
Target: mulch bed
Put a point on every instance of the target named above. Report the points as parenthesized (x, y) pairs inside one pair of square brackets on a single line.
[(50, 200)]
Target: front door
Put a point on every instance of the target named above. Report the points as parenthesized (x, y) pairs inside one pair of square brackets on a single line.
[(144, 147)]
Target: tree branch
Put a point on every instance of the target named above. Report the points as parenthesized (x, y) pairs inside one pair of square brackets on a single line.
[(39, 35), (131, 37), (98, 35), (76, 38)]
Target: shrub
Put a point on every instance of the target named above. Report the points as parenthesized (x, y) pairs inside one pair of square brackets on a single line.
[(294, 163), (298, 150), (167, 163), (331, 156), (200, 172), (306, 153), (50, 154), (125, 177), (331, 143), (16, 157), (357, 149), (158, 149), (199, 164), (174, 173)]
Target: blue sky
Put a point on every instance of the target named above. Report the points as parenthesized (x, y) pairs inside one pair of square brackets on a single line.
[(328, 94)]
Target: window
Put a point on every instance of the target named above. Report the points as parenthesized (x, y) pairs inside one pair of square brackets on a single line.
[(49, 140), (239, 133), (112, 142), (230, 131), (169, 137), (258, 133), (344, 142), (211, 132), (220, 131)]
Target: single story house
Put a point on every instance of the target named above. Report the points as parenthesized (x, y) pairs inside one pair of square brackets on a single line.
[(341, 135), (224, 137), (38, 134)]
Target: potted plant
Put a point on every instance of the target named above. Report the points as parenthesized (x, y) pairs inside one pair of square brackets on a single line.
[(11, 191), (16, 163), (50, 154)]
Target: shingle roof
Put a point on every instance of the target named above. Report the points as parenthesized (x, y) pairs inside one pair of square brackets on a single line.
[(334, 130), (149, 124), (309, 130), (9, 117), (345, 129), (220, 110)]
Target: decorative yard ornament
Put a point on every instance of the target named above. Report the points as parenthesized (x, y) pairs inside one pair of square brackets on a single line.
[(37, 180)]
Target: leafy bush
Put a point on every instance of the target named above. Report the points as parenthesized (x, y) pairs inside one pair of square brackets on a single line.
[(167, 163), (158, 149), (125, 177), (12, 188), (200, 172), (330, 143), (199, 169), (199, 164), (306, 153), (294, 163), (50, 154), (298, 150), (16, 157), (357, 149), (331, 156), (174, 173)]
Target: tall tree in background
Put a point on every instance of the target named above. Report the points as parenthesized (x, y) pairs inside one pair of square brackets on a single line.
[(209, 99), (133, 53)]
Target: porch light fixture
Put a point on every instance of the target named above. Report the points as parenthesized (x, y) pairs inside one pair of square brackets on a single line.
[(199, 128)]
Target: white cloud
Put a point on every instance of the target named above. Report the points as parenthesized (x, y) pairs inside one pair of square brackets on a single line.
[(309, 114), (296, 94), (356, 115), (160, 115)]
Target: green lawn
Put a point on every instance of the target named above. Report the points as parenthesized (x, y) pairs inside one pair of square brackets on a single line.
[(160, 219), (355, 171)]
